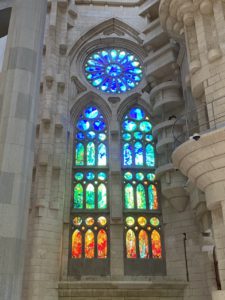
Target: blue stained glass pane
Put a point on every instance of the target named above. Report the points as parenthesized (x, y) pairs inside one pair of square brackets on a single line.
[(149, 138), (102, 137), (127, 136), (145, 126), (113, 70), (150, 156), (91, 135), (79, 176), (137, 114), (97, 82), (138, 135), (101, 155), (139, 159), (99, 125), (102, 176), (80, 136), (129, 125), (127, 155), (90, 176), (83, 125), (91, 112)]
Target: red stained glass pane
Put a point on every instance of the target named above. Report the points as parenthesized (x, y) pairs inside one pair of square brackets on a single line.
[(131, 244), (102, 244), (156, 245), (143, 244), (76, 244), (89, 244)]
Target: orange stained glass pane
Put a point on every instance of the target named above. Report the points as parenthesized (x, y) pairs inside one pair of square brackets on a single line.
[(102, 244), (156, 244), (131, 244), (143, 244), (89, 244), (77, 244), (153, 197)]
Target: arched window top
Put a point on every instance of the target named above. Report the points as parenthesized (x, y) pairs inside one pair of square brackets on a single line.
[(138, 149), (91, 138)]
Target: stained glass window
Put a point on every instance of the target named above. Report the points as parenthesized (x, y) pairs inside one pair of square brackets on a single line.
[(143, 238), (95, 237), (142, 232), (90, 186), (113, 70), (138, 146), (91, 137)]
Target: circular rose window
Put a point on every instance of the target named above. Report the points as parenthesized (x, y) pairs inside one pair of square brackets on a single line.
[(113, 70)]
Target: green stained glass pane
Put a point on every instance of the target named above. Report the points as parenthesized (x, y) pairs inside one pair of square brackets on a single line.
[(102, 196), (130, 221), (102, 176), (141, 197), (79, 154), (145, 126), (128, 176), (101, 155), (91, 154), (129, 196), (140, 176), (151, 176), (78, 196), (150, 156), (79, 176), (127, 137), (154, 221), (90, 196), (139, 159)]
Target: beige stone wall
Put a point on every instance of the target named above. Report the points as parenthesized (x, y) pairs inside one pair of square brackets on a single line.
[(71, 31)]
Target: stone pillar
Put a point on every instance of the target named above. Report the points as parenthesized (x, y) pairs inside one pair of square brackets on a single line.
[(167, 102), (52, 165), (18, 100), (116, 207)]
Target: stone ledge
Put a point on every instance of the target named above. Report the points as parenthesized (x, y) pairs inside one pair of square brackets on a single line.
[(125, 289)]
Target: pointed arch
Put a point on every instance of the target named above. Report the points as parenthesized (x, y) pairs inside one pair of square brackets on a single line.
[(112, 25)]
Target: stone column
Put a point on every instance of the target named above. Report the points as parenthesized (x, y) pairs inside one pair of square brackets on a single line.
[(201, 23), (18, 99), (116, 210)]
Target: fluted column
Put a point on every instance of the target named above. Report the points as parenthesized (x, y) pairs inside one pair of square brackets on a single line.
[(18, 100)]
